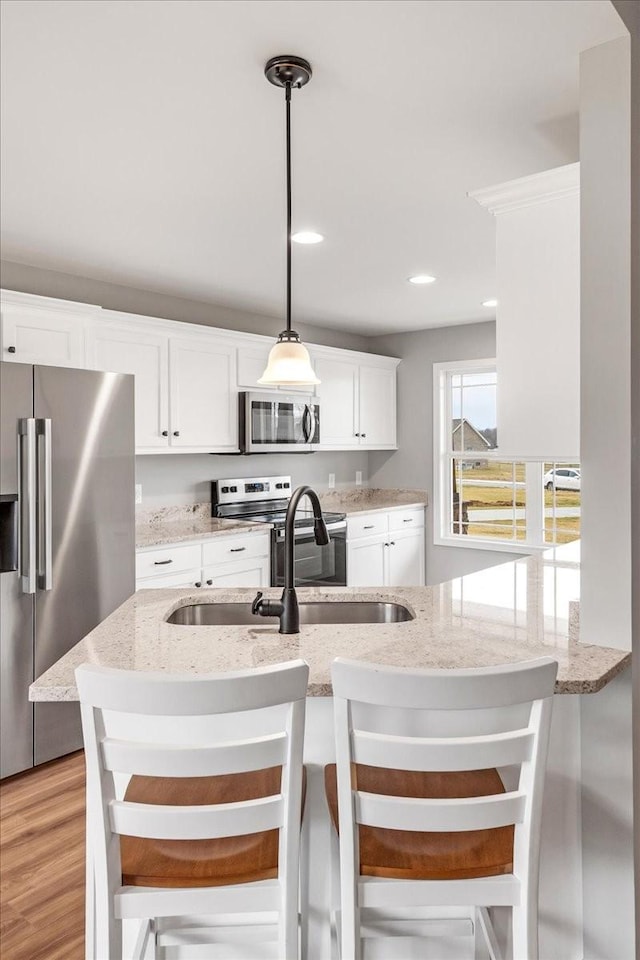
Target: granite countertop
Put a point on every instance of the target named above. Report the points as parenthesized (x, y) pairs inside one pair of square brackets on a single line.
[(369, 500), (515, 611), (182, 523), (195, 528)]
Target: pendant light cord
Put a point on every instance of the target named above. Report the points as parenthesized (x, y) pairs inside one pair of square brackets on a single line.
[(288, 113)]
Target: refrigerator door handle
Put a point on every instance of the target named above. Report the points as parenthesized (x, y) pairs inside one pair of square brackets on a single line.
[(27, 488), (45, 575)]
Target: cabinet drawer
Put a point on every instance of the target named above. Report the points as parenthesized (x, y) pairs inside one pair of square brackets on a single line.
[(406, 519), (168, 560), (367, 525), (187, 579), (235, 548)]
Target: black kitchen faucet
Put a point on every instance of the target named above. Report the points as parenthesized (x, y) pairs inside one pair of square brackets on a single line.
[(286, 608)]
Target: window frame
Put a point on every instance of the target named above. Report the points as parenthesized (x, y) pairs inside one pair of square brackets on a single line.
[(444, 454)]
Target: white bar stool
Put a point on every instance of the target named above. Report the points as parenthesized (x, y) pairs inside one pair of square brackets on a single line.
[(417, 752), (203, 849)]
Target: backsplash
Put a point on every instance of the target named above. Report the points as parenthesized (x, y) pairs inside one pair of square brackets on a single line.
[(184, 480)]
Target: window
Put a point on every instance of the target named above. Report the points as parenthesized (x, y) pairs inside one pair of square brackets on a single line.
[(480, 498)]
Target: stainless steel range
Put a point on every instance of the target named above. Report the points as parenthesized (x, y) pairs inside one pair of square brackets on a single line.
[(265, 500)]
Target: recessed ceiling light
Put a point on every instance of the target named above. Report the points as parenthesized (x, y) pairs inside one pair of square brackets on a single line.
[(489, 303), (422, 278), (307, 236)]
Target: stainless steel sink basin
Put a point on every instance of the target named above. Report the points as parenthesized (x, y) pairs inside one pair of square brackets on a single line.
[(239, 614)]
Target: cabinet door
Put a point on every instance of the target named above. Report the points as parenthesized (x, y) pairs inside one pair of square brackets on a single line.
[(203, 395), (366, 562), (405, 559), (242, 573), (252, 362), (338, 392), (146, 356), (377, 407), (34, 335)]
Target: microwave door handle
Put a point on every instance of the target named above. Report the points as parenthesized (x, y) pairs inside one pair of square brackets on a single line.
[(27, 488), (312, 415), (306, 423)]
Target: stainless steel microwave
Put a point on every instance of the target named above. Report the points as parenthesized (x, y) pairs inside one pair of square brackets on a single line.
[(279, 423)]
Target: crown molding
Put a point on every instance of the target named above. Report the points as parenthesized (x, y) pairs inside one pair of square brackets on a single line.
[(556, 184), (36, 302)]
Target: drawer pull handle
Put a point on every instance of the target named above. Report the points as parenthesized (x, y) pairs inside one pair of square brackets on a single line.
[(392, 544), (408, 520), (237, 549), (198, 583), (176, 433), (209, 583), (165, 433), (161, 563), (369, 526), (11, 349)]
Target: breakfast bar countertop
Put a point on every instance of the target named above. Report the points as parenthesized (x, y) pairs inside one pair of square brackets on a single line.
[(515, 611)]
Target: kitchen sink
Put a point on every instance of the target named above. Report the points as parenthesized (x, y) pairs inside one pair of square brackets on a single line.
[(239, 614)]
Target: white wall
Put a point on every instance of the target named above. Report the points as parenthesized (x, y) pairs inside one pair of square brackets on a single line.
[(186, 478), (606, 591), (148, 303), (605, 343), (411, 466)]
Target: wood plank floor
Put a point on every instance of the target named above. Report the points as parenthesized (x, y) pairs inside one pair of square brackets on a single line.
[(42, 862)]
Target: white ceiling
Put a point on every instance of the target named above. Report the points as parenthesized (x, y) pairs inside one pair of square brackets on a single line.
[(142, 144)]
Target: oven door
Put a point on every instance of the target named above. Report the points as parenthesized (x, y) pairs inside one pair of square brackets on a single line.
[(314, 566), (279, 423)]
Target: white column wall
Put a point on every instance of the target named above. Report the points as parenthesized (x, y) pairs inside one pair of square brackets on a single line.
[(605, 609)]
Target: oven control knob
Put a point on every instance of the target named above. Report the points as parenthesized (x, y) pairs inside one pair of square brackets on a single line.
[(225, 490), (286, 486), (233, 489), (278, 486)]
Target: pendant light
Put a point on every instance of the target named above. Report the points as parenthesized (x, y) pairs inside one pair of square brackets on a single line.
[(289, 364)]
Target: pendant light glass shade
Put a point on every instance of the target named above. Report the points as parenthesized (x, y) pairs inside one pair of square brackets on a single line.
[(289, 364)]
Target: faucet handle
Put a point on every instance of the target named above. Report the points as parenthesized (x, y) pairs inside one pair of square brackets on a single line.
[(255, 606)]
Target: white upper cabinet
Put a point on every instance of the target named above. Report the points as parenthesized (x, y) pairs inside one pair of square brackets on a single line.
[(138, 351), (203, 396), (338, 393), (43, 330), (357, 401), (188, 376), (377, 406), (538, 314), (252, 362)]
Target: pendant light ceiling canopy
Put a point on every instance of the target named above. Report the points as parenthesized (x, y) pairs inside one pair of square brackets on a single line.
[(289, 364)]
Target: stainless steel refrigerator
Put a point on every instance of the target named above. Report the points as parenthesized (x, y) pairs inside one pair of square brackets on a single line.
[(67, 549)]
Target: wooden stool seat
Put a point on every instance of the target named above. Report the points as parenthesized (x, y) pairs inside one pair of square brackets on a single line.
[(408, 855), (201, 863)]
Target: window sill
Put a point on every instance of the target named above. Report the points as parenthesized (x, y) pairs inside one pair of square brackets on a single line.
[(497, 546)]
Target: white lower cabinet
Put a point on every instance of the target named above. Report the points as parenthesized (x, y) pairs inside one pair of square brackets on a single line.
[(241, 573), (242, 561), (386, 549), (366, 562)]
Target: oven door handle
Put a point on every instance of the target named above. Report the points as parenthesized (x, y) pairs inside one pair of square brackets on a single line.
[(310, 532)]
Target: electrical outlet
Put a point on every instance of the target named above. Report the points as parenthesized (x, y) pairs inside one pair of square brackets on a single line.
[(332, 481), (138, 493), (358, 478)]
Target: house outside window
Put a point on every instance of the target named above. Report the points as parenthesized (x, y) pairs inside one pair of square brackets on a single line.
[(483, 500)]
